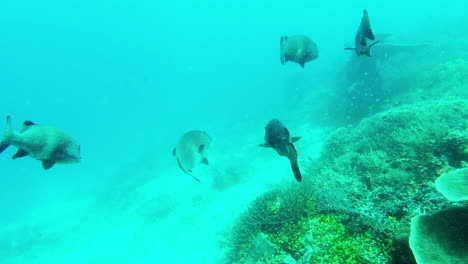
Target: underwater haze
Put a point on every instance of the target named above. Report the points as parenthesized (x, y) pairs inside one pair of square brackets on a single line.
[(127, 79)]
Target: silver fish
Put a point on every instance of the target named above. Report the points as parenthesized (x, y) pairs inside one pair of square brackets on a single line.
[(299, 49), (364, 33), (45, 143), (191, 150)]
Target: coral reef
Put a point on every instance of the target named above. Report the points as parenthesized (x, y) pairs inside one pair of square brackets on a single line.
[(386, 166), (358, 198)]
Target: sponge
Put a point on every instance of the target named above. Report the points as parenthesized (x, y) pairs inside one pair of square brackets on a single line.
[(441, 238), (454, 185)]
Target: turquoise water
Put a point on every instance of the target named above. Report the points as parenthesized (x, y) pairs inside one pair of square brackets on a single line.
[(127, 78)]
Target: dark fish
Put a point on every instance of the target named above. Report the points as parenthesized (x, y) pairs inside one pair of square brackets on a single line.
[(191, 150), (299, 49), (364, 34), (45, 143), (277, 137)]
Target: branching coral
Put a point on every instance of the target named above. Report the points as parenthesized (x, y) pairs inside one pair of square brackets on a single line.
[(269, 213)]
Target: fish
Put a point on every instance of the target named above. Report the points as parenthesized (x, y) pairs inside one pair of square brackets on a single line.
[(277, 137), (191, 150), (298, 48), (48, 144), (363, 34)]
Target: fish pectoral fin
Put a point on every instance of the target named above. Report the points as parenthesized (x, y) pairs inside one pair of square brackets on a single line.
[(201, 148), (47, 164), (374, 43), (265, 145), (204, 161), (294, 139), (174, 152), (20, 153), (350, 48), (302, 64)]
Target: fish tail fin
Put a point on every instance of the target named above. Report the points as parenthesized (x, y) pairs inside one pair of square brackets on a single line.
[(294, 164), (7, 135), (282, 56)]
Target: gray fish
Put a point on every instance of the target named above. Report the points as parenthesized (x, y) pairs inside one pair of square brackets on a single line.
[(191, 150), (45, 143), (299, 48), (363, 34), (277, 137)]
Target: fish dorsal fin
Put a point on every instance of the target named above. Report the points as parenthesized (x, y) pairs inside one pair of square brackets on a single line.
[(174, 152), (365, 26), (369, 34), (27, 124), (47, 164), (294, 139), (20, 153), (204, 161)]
